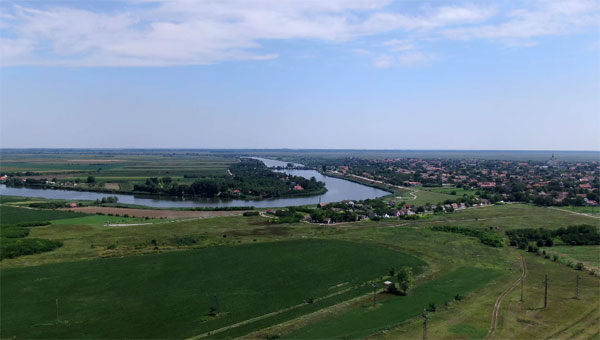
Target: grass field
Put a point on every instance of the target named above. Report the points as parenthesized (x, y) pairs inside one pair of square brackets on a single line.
[(116, 167), (136, 297), (361, 322), (423, 196), (117, 266), (589, 255), (101, 220), (10, 215), (448, 190), (586, 210)]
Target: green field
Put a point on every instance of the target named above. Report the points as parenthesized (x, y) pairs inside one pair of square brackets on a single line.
[(589, 255), (586, 210), (135, 297), (448, 190), (10, 215), (366, 320), (102, 219), (423, 196), (132, 281)]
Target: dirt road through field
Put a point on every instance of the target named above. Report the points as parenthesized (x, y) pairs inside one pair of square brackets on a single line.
[(496, 312)]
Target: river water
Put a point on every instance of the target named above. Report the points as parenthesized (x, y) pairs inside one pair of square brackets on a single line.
[(337, 190)]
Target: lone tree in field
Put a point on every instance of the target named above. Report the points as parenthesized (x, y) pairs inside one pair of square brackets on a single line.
[(405, 279), (91, 179)]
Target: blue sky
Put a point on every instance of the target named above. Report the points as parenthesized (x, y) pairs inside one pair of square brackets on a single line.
[(301, 74)]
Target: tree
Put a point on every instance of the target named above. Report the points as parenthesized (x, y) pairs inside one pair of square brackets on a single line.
[(405, 279), (91, 179)]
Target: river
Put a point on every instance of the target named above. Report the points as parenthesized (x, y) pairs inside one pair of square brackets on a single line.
[(337, 190)]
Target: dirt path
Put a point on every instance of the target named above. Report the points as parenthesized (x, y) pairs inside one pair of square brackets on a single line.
[(575, 212), (264, 316), (498, 304)]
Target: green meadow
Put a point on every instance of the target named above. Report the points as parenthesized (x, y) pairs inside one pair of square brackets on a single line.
[(11, 215), (366, 320), (296, 280), (138, 296)]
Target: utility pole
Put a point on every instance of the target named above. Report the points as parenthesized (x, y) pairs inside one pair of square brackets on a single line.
[(546, 292), (577, 287), (523, 279), (374, 293), (425, 318), (57, 320), (217, 302)]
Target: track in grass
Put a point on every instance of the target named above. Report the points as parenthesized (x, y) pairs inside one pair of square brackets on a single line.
[(498, 304), (361, 322)]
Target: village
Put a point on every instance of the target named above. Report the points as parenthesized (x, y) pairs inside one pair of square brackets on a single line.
[(546, 183)]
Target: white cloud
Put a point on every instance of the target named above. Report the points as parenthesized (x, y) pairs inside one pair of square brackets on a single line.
[(399, 45), (548, 17), (185, 32), (383, 61)]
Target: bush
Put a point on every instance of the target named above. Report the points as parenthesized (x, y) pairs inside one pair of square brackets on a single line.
[(251, 213), (13, 232), (487, 238), (15, 247), (33, 224), (579, 266)]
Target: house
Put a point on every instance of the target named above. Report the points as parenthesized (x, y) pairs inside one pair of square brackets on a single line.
[(72, 205), (236, 191), (298, 187), (4, 178), (454, 205), (585, 186), (487, 185)]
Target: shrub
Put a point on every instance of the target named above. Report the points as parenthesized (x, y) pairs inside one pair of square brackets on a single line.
[(554, 257), (13, 232), (432, 307), (251, 213), (112, 246), (33, 224), (15, 247), (579, 266), (458, 297), (487, 238)]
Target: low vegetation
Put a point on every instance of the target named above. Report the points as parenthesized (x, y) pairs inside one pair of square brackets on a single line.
[(487, 238)]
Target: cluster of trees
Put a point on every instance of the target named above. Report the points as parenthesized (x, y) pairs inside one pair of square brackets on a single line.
[(521, 237), (251, 178), (320, 215), (405, 281), (48, 205), (290, 215), (15, 247), (579, 235), (572, 235), (13, 241), (107, 199), (487, 238)]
